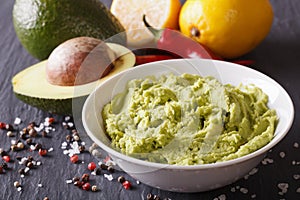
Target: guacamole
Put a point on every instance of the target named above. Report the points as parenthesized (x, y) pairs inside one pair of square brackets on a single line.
[(188, 120)]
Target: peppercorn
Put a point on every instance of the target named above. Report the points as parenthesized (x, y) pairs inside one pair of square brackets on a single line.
[(86, 186), (29, 165), (149, 196), (43, 152), (94, 188), (81, 148), (14, 147), (20, 145), (78, 183), (10, 134), (126, 185), (68, 138), (21, 171), (156, 197), (103, 166), (2, 152), (91, 166), (46, 198), (4, 165), (2, 125), (98, 171), (32, 132), (121, 179), (76, 137), (30, 158), (110, 169), (37, 146), (28, 141), (85, 178), (44, 134), (9, 127), (6, 158), (17, 184), (74, 158), (76, 178)]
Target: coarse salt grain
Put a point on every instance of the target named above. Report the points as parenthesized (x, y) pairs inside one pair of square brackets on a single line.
[(17, 121), (69, 181), (137, 182), (108, 177), (19, 189), (296, 176), (298, 190), (267, 161), (244, 190), (50, 149), (65, 152), (282, 154), (283, 187), (40, 185), (296, 145)]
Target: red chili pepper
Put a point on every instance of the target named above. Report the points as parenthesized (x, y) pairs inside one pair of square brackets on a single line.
[(142, 59), (176, 43)]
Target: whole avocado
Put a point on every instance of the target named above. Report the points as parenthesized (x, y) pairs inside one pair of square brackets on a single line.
[(41, 25)]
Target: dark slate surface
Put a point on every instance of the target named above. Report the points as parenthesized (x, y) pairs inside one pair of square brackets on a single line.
[(278, 56)]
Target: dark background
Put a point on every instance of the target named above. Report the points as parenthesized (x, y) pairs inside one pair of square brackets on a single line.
[(277, 56)]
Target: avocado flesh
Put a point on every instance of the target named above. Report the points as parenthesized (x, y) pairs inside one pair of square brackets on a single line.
[(31, 86), (41, 25)]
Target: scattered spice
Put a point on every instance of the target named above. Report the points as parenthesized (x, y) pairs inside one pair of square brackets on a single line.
[(74, 158), (86, 186), (91, 166), (126, 184), (94, 188), (6, 158), (121, 179)]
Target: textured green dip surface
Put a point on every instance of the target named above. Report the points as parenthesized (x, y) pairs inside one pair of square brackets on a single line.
[(188, 120)]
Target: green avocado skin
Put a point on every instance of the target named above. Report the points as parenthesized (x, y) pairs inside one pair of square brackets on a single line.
[(41, 25), (55, 106)]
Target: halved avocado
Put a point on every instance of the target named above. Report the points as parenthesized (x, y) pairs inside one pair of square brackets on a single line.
[(31, 86)]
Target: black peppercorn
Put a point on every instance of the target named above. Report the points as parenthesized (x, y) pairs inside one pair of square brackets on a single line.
[(2, 152), (103, 166), (121, 179), (110, 169), (68, 138), (4, 165), (29, 141), (76, 178), (149, 196), (81, 148), (21, 171), (156, 197), (37, 146), (98, 171)]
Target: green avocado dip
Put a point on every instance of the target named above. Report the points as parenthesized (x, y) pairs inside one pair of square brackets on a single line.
[(188, 120)]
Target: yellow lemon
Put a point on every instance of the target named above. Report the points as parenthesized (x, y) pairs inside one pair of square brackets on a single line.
[(230, 28), (159, 14)]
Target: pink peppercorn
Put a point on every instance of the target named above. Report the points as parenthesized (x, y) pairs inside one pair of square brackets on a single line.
[(126, 185), (43, 152), (74, 158), (2, 125), (6, 158), (92, 166), (86, 186)]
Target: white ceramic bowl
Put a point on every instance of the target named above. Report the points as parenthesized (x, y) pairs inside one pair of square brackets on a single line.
[(187, 178)]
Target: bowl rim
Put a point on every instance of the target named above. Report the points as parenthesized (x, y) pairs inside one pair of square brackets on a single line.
[(258, 152)]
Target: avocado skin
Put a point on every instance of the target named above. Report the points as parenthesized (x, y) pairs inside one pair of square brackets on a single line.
[(41, 25), (55, 106)]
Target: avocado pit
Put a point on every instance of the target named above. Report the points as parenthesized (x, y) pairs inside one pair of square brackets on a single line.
[(79, 61)]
